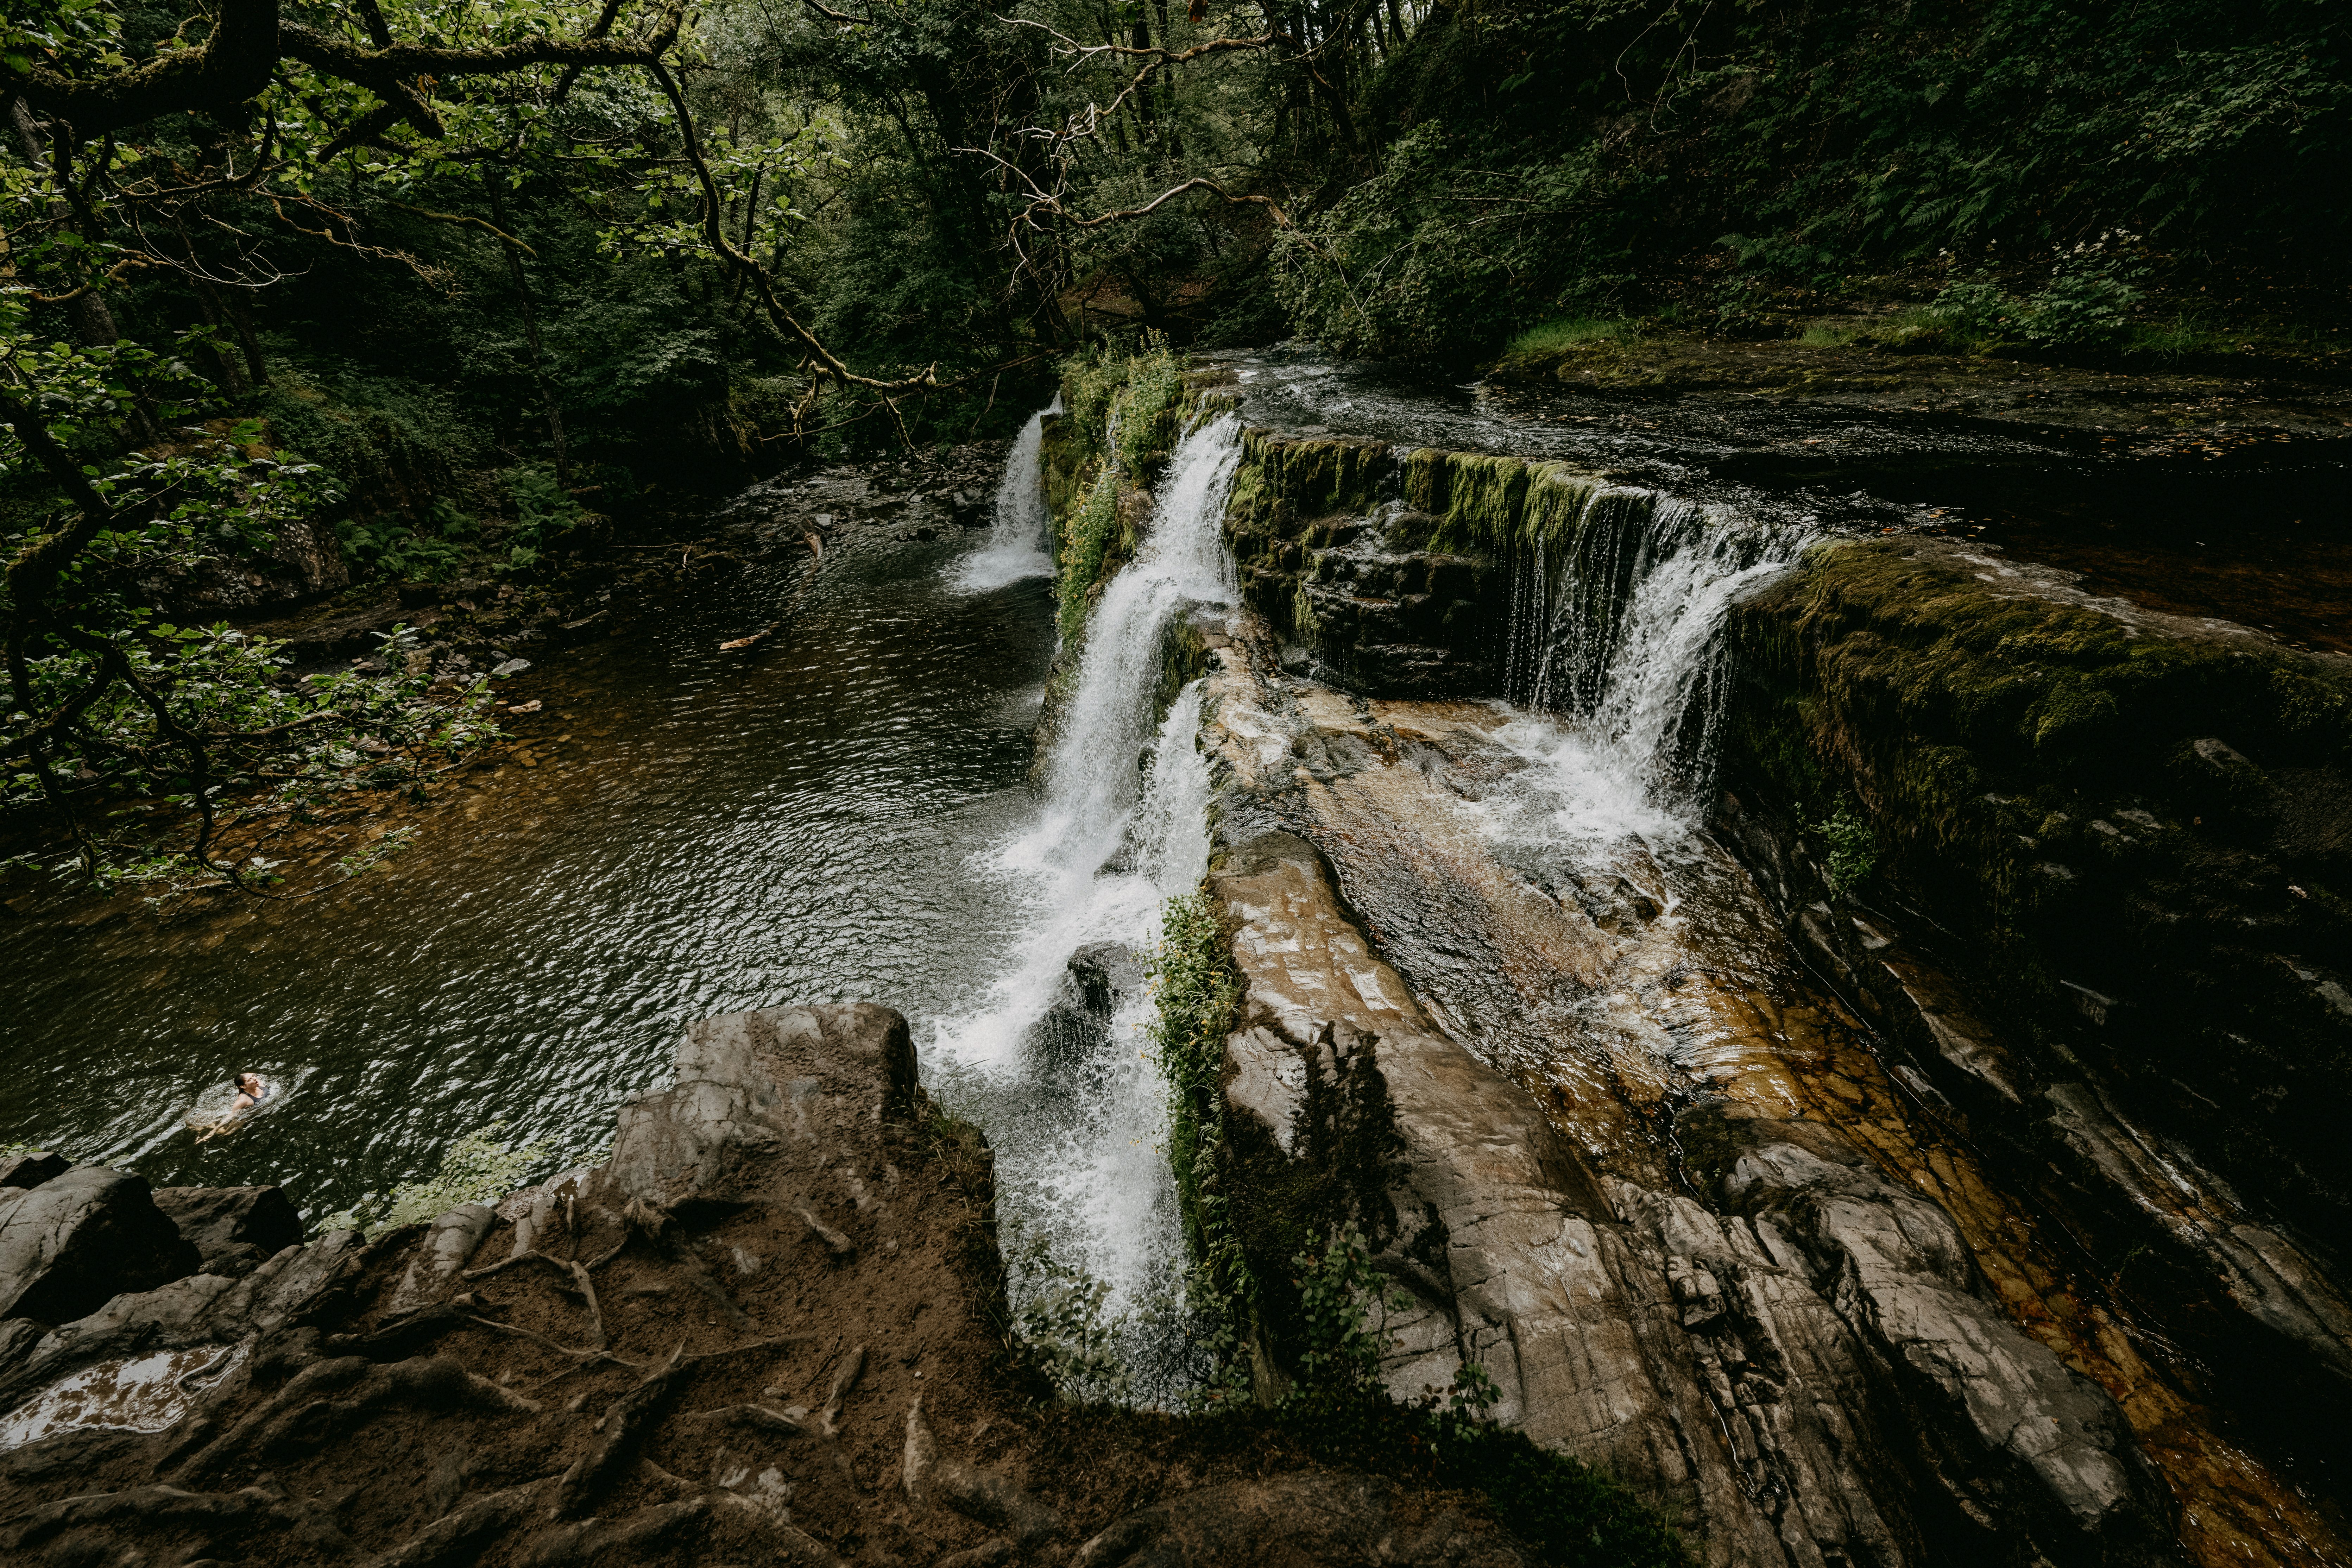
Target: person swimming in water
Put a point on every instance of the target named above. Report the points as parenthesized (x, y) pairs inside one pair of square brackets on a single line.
[(250, 1091)]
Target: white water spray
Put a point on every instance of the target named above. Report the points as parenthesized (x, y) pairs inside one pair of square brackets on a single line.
[(1617, 644), (1018, 541), (1122, 827)]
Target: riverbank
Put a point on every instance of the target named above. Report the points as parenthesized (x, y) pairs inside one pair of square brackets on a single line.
[(771, 1322), (549, 630), (1873, 362), (677, 828)]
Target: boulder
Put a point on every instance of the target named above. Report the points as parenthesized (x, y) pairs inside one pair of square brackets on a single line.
[(71, 1244), (197, 1310), (744, 1091), (235, 1229), (32, 1169), (1106, 973), (449, 1242)]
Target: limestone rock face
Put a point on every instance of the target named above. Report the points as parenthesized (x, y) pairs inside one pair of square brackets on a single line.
[(71, 1243)]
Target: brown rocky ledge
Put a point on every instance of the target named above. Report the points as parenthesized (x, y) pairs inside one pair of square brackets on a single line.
[(1696, 1221), (769, 1329)]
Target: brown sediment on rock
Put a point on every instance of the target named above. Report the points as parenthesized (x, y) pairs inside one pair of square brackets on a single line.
[(662, 1359), (1698, 1219)]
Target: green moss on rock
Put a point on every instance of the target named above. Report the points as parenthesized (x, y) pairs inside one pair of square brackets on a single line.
[(2138, 814)]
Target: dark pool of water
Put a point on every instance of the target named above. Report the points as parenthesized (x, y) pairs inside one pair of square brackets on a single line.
[(722, 831)]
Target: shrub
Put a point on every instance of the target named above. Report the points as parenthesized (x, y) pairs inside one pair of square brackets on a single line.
[(1063, 1319), (2082, 311), (1086, 541), (1853, 848), (1193, 993), (1974, 307)]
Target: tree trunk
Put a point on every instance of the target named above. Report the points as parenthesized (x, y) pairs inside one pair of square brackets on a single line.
[(240, 318), (226, 369)]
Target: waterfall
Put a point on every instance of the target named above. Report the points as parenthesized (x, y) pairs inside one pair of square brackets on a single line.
[(1018, 540), (1121, 825), (1616, 628)]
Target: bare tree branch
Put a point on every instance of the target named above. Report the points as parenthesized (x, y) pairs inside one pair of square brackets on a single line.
[(714, 230)]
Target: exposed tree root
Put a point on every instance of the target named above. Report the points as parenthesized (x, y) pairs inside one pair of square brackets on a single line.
[(759, 1417), (624, 1425), (458, 1536), (592, 1354), (845, 1378), (933, 1477), (590, 1539), (154, 1506), (835, 1242), (300, 1415)]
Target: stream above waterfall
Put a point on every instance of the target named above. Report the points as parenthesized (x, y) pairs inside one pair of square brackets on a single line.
[(2258, 531)]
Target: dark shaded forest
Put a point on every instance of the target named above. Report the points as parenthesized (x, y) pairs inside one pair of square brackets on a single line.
[(471, 285)]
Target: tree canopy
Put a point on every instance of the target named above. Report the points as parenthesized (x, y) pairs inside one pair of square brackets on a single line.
[(438, 281)]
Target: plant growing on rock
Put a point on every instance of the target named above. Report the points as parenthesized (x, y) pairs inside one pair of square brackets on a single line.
[(1063, 1320), (1194, 991), (1853, 848), (1339, 1298)]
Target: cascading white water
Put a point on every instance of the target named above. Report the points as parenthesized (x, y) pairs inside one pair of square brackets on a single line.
[(1114, 836), (1616, 644), (1019, 537)]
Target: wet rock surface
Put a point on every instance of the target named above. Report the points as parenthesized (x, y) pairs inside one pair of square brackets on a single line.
[(2153, 408), (766, 1330), (80, 1236), (1699, 1221)]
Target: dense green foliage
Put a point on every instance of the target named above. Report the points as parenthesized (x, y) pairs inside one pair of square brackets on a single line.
[(1565, 159), (1194, 992), (474, 291)]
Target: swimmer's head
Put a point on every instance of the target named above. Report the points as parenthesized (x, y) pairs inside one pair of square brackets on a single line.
[(250, 1083)]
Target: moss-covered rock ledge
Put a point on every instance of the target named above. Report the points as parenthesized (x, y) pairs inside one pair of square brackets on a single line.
[(2135, 831)]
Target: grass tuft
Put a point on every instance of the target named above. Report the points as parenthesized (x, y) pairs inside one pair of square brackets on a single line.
[(1567, 333)]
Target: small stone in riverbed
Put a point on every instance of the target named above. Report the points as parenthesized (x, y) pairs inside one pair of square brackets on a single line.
[(511, 667)]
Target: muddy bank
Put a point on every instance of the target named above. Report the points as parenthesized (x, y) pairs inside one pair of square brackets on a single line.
[(772, 1324)]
